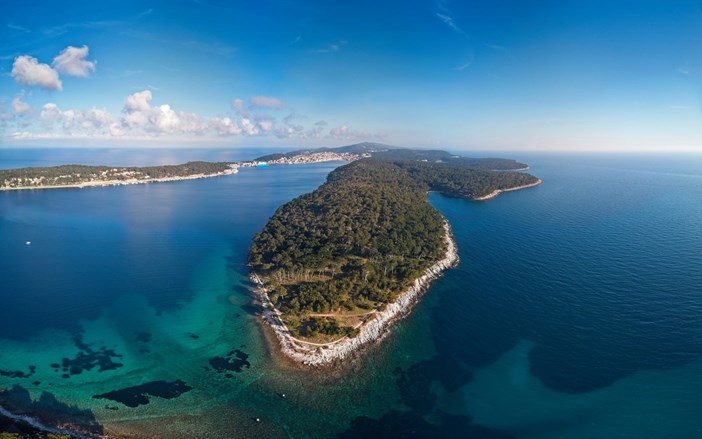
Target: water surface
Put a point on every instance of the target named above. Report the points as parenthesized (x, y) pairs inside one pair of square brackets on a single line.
[(575, 311)]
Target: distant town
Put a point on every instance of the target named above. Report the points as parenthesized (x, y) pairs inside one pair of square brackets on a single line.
[(87, 176)]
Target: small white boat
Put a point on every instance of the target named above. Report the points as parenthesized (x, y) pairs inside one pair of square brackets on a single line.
[(28, 242)]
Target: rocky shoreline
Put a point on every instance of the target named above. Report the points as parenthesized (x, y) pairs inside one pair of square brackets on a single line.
[(372, 331), (497, 192)]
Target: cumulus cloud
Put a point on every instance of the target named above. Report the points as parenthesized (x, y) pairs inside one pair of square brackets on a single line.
[(29, 71), (79, 122), (141, 118), (238, 107), (71, 61), (138, 115), (20, 108), (139, 101), (225, 126), (50, 113), (266, 126), (265, 102), (249, 128), (96, 118), (193, 124)]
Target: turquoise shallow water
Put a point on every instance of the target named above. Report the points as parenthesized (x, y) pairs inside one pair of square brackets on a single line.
[(575, 311)]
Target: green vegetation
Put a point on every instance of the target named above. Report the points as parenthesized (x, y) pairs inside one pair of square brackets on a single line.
[(458, 180), (324, 326), (361, 238), (354, 242), (76, 174)]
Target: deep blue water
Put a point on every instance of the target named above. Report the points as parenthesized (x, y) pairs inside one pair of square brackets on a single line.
[(576, 310)]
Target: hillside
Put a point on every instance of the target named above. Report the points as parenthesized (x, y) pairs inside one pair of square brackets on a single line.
[(332, 257)]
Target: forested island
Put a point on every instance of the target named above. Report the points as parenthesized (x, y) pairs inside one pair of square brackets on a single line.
[(352, 255), (85, 176), (335, 266)]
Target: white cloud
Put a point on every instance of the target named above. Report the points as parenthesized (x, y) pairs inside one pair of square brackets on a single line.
[(138, 101), (140, 119), (19, 107), (266, 125), (97, 118), (265, 101), (28, 71), (135, 113), (192, 123), (79, 122), (50, 114), (139, 116), (225, 126), (238, 106), (340, 132), (166, 119), (285, 132), (71, 61), (248, 127)]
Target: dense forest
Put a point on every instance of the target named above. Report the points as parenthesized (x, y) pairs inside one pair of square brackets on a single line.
[(458, 180), (75, 174), (361, 238)]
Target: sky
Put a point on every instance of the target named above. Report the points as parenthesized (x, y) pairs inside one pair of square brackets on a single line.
[(543, 75)]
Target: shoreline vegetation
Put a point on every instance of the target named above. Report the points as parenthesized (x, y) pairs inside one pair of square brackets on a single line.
[(334, 268), (371, 331), (105, 183), (82, 176), (497, 192)]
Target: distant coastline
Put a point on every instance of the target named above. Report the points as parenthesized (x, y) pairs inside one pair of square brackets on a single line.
[(104, 183), (497, 192), (127, 174), (371, 331)]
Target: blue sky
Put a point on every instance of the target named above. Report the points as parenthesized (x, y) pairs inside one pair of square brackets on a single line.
[(465, 75)]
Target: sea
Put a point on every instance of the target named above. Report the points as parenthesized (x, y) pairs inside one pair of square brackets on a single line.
[(575, 311)]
